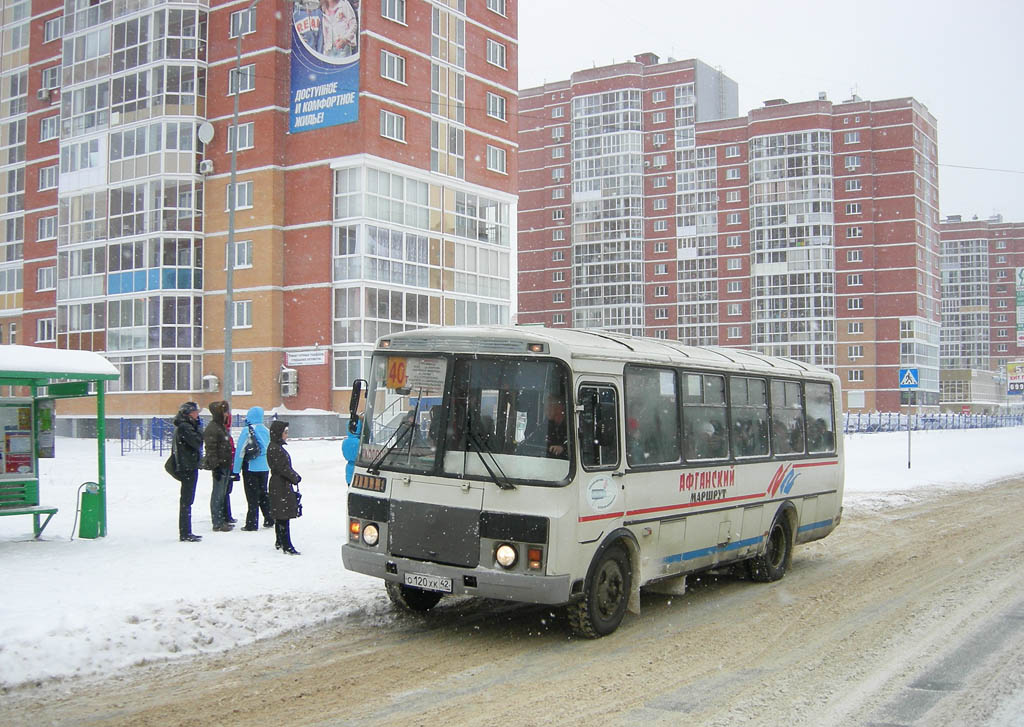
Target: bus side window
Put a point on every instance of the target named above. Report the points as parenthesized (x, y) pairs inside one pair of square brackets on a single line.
[(787, 417), (821, 435), (599, 427)]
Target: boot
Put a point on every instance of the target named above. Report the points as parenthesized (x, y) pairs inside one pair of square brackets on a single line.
[(190, 538)]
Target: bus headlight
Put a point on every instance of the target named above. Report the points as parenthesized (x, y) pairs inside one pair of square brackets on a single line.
[(506, 555), (370, 534)]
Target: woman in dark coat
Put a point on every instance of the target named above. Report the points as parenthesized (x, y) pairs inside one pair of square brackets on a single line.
[(188, 444), (284, 500)]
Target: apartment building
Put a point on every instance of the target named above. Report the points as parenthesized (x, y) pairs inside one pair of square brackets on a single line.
[(800, 229), (365, 183)]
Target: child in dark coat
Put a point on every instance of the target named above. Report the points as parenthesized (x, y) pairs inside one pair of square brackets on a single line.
[(283, 490)]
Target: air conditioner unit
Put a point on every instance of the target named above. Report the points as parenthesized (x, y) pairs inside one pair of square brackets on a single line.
[(43, 94), (206, 166), (211, 382), (289, 379)]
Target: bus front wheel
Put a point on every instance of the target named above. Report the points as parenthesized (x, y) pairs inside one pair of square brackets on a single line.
[(410, 597), (778, 552), (604, 601)]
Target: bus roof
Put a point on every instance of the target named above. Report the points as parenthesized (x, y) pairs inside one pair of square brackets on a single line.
[(581, 344)]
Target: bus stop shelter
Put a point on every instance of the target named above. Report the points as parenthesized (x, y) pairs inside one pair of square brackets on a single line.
[(28, 423)]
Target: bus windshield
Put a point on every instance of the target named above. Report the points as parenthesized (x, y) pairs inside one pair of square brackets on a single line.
[(401, 421)]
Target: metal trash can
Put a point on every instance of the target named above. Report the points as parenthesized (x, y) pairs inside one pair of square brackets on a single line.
[(89, 522)]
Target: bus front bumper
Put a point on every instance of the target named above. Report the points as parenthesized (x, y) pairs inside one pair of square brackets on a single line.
[(481, 582)]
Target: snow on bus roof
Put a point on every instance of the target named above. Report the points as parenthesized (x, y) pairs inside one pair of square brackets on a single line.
[(55, 363)]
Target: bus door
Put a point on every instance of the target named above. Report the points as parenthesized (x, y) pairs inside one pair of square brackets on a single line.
[(601, 502)]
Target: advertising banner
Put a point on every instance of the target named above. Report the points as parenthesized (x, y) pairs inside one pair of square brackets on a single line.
[(1020, 306), (324, 64), (1015, 377)]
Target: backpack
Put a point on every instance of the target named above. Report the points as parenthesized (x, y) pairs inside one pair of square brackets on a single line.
[(252, 447)]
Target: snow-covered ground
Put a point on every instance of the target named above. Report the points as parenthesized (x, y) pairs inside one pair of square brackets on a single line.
[(74, 606)]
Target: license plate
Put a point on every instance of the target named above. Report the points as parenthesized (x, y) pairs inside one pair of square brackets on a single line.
[(429, 583)]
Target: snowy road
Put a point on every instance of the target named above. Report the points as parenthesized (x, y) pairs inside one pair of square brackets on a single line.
[(909, 616)]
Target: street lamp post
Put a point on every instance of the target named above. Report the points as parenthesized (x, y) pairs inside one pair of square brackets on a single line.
[(229, 280)]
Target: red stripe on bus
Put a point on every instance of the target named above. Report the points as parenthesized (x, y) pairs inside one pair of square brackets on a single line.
[(694, 504), (606, 516), (816, 464)]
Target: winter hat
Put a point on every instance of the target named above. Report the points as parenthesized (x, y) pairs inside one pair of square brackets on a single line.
[(188, 407)]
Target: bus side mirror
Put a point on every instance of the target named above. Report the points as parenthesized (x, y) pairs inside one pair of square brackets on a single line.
[(353, 405), (606, 431)]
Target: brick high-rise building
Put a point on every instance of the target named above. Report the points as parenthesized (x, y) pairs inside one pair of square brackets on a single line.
[(807, 229), (375, 186)]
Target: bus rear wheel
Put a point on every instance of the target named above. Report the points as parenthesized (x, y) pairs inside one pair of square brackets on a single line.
[(604, 601), (411, 598), (778, 552)]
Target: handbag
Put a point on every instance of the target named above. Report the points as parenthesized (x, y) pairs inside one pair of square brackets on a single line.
[(252, 447), (171, 465), (298, 503)]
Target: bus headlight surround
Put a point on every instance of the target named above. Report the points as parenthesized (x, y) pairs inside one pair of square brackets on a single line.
[(506, 555), (371, 534)]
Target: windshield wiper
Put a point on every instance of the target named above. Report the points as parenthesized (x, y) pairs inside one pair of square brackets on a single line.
[(481, 448), (403, 430)]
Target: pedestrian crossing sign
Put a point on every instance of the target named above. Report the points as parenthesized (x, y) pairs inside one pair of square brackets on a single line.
[(909, 379)]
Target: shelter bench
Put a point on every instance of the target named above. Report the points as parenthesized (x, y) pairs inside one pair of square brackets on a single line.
[(22, 498)]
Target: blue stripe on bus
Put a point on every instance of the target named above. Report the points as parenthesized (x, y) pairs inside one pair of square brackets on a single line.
[(814, 526), (713, 549)]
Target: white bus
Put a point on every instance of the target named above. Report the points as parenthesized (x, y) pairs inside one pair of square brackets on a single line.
[(575, 467)]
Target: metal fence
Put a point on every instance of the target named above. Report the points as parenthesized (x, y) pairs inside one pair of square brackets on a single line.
[(894, 421), (155, 434)]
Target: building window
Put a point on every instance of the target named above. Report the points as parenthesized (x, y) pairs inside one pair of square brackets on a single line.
[(243, 314), (1001, 304), (732, 332), (558, 255), (661, 269), (660, 182), (243, 254), (1001, 318), (558, 193), (46, 330), (659, 117), (855, 328), (558, 112), (558, 298), (733, 218), (243, 22), (660, 160), (733, 195), (558, 152), (244, 133), (659, 140), (242, 79), (557, 175), (46, 228), (660, 247), (855, 279), (734, 309), (661, 314), (558, 214), (661, 291), (660, 225), (49, 128), (853, 185), (558, 319), (853, 162), (496, 106), (52, 29), (243, 377), (851, 137), (392, 66), (732, 241), (734, 286), (733, 173), (243, 196), (853, 208), (495, 159), (661, 204), (495, 53), (393, 10), (855, 352), (854, 256), (392, 126), (732, 151), (854, 232), (497, 6), (1002, 333), (1000, 244), (855, 304), (50, 78), (1000, 259), (657, 96), (558, 276), (734, 263), (558, 235), (46, 278), (48, 177), (854, 375)]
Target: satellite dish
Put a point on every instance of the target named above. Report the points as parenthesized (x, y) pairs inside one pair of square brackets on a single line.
[(206, 132)]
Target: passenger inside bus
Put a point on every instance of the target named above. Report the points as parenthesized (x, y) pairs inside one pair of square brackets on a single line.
[(551, 432)]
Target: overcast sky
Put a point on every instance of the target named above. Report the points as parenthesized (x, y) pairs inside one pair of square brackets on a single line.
[(963, 60)]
